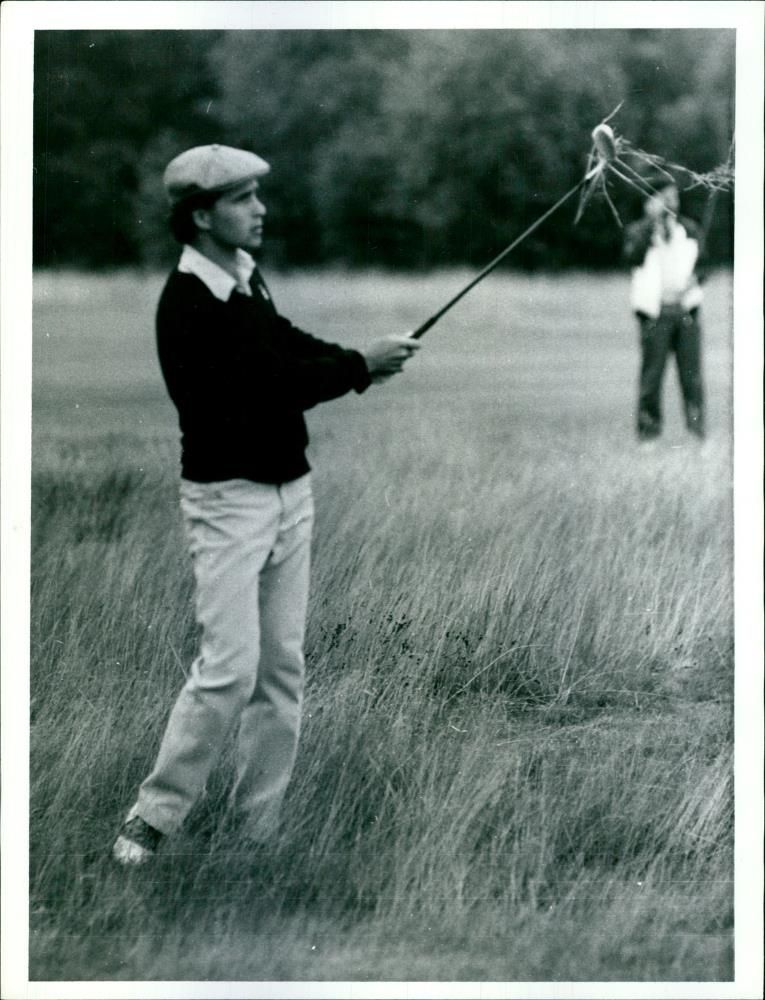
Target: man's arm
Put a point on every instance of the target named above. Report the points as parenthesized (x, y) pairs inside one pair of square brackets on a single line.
[(694, 232), (383, 358), (637, 240), (230, 376), (310, 371)]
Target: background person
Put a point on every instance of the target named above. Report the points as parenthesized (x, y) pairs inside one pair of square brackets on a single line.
[(663, 250), (240, 376)]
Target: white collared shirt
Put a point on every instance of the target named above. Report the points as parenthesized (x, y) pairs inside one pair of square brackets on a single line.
[(676, 257), (666, 276), (218, 280)]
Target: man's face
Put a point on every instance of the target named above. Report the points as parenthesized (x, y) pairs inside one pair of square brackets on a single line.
[(663, 202), (671, 198), (235, 219)]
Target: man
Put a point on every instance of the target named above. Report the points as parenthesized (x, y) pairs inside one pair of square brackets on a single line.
[(663, 251), (240, 376)]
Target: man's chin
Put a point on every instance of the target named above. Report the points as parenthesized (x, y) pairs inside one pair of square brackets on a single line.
[(254, 243)]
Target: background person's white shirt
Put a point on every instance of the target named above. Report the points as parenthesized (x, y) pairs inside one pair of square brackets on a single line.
[(666, 276)]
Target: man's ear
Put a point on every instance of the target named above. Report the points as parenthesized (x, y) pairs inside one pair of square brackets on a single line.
[(201, 217)]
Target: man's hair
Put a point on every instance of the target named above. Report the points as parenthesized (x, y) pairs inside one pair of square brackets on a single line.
[(660, 182), (181, 219)]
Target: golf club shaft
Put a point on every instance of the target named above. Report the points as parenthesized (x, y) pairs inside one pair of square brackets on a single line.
[(490, 267)]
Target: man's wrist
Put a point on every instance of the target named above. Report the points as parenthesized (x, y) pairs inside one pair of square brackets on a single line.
[(362, 377)]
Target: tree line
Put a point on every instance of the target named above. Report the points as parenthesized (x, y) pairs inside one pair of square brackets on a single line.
[(388, 148)]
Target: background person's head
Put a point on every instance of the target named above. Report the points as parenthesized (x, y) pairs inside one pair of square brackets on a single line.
[(212, 192), (665, 201)]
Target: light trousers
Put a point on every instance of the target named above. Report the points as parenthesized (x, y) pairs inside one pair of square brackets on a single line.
[(250, 547)]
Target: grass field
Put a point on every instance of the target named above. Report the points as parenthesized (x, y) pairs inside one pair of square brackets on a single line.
[(517, 755)]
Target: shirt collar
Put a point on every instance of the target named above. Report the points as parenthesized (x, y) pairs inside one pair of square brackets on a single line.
[(218, 280)]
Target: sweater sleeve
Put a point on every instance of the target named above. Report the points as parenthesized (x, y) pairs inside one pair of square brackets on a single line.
[(694, 232), (314, 361), (200, 373), (637, 240), (224, 364)]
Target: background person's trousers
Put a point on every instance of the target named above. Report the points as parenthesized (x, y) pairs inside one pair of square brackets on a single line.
[(250, 546), (674, 332)]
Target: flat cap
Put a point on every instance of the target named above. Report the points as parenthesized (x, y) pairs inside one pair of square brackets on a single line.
[(210, 168)]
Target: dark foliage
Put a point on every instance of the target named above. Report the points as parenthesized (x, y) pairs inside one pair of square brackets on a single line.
[(389, 148)]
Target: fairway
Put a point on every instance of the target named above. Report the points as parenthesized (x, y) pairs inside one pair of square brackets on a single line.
[(516, 761)]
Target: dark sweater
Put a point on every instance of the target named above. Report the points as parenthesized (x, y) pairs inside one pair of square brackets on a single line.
[(241, 376)]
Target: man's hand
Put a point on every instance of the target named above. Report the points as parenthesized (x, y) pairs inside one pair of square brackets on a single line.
[(655, 207), (386, 357), (662, 208)]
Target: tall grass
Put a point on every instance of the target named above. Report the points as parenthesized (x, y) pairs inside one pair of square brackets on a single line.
[(516, 756)]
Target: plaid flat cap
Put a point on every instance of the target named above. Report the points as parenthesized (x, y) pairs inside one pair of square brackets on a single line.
[(210, 168)]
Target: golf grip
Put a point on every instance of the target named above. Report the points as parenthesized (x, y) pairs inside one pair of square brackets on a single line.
[(416, 334)]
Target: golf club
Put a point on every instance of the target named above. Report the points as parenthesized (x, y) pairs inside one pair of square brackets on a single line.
[(416, 334)]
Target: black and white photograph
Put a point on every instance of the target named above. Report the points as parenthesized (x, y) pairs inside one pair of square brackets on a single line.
[(382, 500)]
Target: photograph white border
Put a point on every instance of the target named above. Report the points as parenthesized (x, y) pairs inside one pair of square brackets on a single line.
[(20, 18)]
